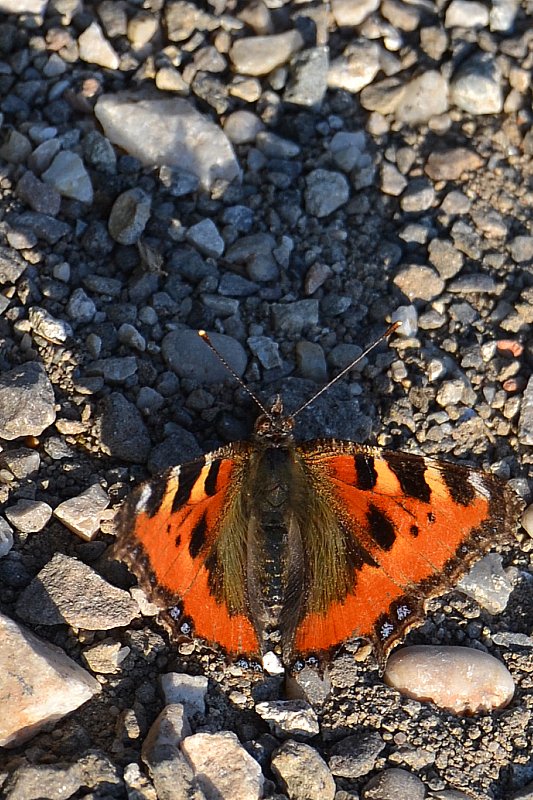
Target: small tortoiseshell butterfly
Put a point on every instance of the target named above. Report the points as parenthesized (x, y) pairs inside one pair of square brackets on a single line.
[(274, 544)]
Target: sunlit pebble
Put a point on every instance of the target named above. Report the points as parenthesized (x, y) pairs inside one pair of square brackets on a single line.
[(91, 87), (272, 664), (527, 520), (510, 347), (460, 679), (514, 384)]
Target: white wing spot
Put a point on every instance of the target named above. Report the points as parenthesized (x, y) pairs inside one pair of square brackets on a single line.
[(386, 630), (477, 482), (402, 612), (143, 499), (175, 612), (185, 629)]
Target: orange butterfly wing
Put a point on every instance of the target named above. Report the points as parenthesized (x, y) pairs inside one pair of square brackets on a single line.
[(417, 525), (169, 529)]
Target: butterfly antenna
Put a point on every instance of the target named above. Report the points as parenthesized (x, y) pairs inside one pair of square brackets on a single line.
[(203, 335), (390, 330)]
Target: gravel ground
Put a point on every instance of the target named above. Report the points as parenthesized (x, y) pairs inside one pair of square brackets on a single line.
[(164, 167)]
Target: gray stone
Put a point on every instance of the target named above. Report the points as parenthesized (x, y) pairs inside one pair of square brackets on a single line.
[(129, 215), (392, 180), (265, 350), (47, 326), (311, 361), (525, 425), (502, 15), (232, 285), (293, 317), (476, 87), (308, 77), (303, 773), (356, 67), (256, 252), (26, 401), (396, 783), (356, 755), (95, 49), (115, 371), (289, 717), (67, 174), (488, 583), (445, 258), (205, 236), (178, 182), (466, 14), (29, 516), (40, 685), (82, 514), (159, 131), (275, 146), (474, 283), (38, 195), (171, 774), (348, 14), (98, 152), (522, 249), (325, 192), (210, 755), (43, 155), (122, 431), (80, 307), (423, 97), (259, 55), (68, 591), (418, 196), (6, 537), (184, 18), (42, 225), (188, 690), (15, 147), (242, 126), (189, 357), (178, 448), (418, 282), (11, 265)]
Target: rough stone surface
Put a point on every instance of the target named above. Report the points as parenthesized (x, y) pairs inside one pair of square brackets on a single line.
[(210, 754), (40, 684), (188, 140), (68, 591), (26, 401)]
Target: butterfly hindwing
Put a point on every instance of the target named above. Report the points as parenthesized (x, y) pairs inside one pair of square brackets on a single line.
[(413, 526)]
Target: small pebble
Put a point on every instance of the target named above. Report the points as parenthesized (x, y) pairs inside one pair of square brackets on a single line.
[(303, 773)]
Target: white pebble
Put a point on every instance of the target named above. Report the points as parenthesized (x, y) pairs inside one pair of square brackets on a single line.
[(460, 679)]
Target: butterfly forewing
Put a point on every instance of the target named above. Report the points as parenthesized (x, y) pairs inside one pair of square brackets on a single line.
[(184, 535)]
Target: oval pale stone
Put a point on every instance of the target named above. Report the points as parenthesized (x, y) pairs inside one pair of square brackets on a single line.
[(460, 679)]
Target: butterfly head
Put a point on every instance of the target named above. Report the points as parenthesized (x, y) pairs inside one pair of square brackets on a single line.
[(274, 427)]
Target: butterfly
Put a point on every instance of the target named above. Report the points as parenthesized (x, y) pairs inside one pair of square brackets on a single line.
[(294, 547)]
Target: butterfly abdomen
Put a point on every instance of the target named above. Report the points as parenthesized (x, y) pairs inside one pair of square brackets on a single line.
[(274, 549)]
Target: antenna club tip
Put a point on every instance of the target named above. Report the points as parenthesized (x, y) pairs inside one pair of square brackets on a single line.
[(202, 334)]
